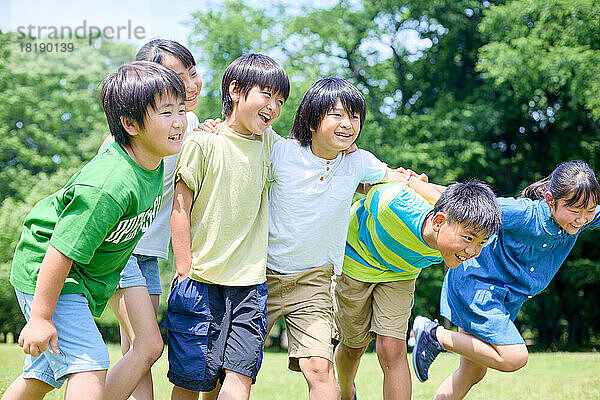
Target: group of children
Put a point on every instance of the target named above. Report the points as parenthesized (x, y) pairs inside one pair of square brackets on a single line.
[(248, 254)]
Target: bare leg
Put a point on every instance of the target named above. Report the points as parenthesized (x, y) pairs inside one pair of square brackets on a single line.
[(457, 385), (319, 375), (235, 386), (391, 353), (136, 314), (87, 385), (26, 389), (213, 394), (347, 360), (507, 358), (179, 393)]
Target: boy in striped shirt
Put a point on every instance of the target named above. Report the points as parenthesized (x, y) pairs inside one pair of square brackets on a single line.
[(395, 232)]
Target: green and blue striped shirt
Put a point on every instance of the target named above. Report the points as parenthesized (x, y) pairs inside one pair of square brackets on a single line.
[(384, 241)]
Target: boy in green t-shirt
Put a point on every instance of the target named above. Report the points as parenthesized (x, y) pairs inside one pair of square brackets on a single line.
[(216, 314), (76, 241)]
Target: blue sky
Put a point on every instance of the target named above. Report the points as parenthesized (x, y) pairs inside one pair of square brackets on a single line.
[(156, 19)]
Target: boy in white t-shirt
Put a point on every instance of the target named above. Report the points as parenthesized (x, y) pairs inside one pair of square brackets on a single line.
[(313, 182)]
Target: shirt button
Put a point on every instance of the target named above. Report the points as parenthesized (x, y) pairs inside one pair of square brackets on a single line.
[(559, 232), (328, 162), (532, 269), (327, 169), (492, 287), (321, 178), (544, 245), (529, 297)]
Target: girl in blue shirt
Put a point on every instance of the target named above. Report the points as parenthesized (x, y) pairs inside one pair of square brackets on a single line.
[(484, 295)]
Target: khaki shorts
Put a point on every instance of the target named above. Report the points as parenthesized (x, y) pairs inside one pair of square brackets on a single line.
[(364, 310), (304, 300)]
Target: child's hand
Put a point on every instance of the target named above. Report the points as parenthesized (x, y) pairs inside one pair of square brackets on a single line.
[(36, 335), (353, 147), (210, 126), (412, 174)]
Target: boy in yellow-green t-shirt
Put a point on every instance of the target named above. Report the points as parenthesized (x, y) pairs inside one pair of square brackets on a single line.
[(216, 314)]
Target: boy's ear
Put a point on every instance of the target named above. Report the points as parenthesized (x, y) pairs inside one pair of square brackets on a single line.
[(438, 220), (234, 91), (130, 126)]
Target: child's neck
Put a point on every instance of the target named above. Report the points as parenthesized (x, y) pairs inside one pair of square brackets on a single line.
[(235, 126), (326, 155), (429, 235), (142, 158)]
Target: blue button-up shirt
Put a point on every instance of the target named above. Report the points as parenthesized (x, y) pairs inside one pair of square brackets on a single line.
[(516, 263)]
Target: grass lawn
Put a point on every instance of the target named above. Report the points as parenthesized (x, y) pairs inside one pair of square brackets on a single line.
[(547, 376)]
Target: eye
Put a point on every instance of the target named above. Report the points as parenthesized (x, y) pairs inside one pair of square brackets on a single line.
[(280, 102), (356, 116), (268, 94), (468, 238), (165, 113)]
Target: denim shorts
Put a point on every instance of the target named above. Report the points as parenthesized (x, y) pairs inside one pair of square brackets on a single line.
[(79, 341), (213, 328), (141, 271)]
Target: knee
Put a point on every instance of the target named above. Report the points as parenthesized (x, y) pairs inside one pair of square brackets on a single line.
[(516, 362), (316, 369), (390, 350), (156, 350), (477, 374), (151, 349)]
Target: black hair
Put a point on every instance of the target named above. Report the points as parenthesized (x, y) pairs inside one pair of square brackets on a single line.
[(571, 180), (132, 89), (252, 70), (319, 99), (471, 204), (156, 50)]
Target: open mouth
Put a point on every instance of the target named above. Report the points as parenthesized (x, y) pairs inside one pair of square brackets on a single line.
[(576, 227), (460, 258), (265, 117), (176, 138), (193, 98), (343, 135)]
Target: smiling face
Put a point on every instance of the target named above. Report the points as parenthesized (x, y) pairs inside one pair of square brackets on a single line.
[(164, 126), (336, 132), (571, 218), (456, 242), (190, 78), (254, 113)]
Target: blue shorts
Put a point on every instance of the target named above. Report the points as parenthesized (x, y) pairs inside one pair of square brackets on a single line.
[(141, 271), (79, 341), (213, 328)]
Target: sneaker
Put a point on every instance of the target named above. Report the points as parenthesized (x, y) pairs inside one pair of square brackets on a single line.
[(426, 347)]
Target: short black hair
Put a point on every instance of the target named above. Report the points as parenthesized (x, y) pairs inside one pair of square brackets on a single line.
[(156, 50), (135, 86), (252, 70), (319, 99), (471, 204)]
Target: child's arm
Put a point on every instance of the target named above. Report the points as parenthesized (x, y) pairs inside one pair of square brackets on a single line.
[(429, 191), (180, 229), (39, 330)]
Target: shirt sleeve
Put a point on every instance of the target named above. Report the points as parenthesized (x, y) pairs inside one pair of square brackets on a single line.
[(190, 166), (516, 213), (192, 121), (373, 170), (277, 153), (85, 222)]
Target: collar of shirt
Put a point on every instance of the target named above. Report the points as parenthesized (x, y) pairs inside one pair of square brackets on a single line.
[(548, 223)]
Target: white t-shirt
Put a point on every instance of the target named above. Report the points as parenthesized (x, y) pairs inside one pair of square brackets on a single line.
[(155, 241), (309, 204)]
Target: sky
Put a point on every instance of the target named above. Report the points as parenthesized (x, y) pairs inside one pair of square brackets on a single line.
[(152, 18)]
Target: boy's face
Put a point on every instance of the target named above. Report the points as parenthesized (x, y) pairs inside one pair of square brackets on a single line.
[(336, 132), (254, 113), (164, 127), (190, 78), (458, 243)]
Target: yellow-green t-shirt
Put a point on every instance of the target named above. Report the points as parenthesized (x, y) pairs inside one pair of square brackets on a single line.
[(227, 173)]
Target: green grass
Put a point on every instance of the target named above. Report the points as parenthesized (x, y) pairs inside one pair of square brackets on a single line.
[(547, 376)]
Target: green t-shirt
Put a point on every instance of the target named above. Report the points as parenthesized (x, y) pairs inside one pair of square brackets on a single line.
[(96, 219)]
